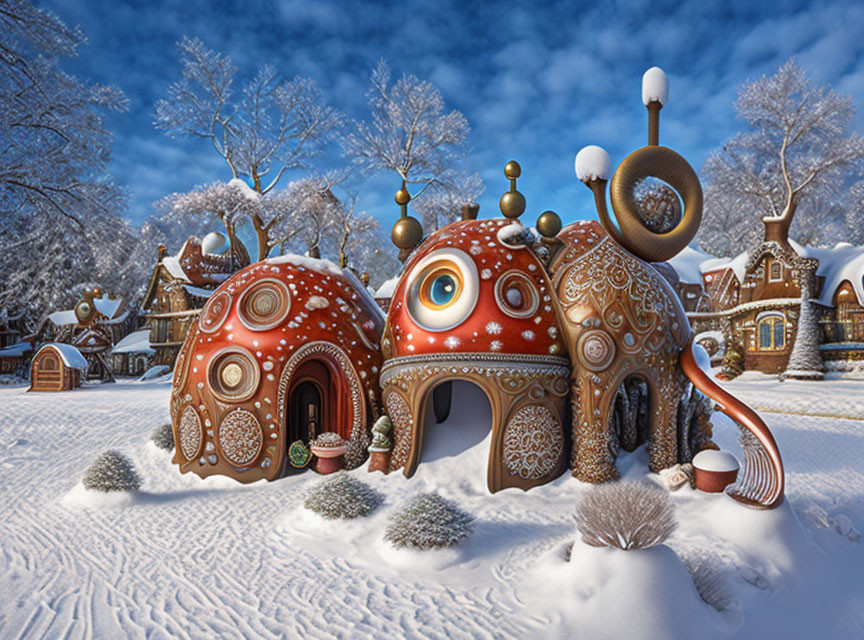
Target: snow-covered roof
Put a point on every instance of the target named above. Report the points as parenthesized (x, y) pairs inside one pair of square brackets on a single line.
[(738, 264), (15, 350), (107, 306), (135, 342), (387, 288), (63, 318), (843, 262), (172, 264), (198, 291), (71, 356), (688, 263)]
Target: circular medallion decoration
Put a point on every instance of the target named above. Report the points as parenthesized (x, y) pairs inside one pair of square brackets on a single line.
[(233, 375), (595, 350), (264, 304), (299, 454), (190, 433), (240, 437), (83, 311), (516, 295), (215, 311), (533, 442)]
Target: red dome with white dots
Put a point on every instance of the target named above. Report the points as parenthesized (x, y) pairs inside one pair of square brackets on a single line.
[(253, 341), (471, 287)]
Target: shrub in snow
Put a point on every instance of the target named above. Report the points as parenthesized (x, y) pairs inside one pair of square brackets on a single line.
[(163, 437), (357, 452), (341, 496), (428, 521), (626, 515), (111, 471)]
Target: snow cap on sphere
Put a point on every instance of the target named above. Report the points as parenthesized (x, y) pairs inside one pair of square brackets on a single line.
[(213, 243), (592, 163), (655, 86), (713, 460)]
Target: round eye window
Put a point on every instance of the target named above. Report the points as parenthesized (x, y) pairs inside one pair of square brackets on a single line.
[(233, 375), (84, 310), (516, 295), (264, 304), (442, 290)]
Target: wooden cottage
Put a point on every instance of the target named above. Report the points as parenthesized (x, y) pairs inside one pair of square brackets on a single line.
[(179, 288), (57, 367), (755, 300)]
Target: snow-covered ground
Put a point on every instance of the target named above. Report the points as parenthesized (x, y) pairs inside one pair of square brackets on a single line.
[(841, 397), (206, 559)]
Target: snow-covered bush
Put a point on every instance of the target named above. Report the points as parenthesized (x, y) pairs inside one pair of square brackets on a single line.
[(341, 496), (111, 471), (428, 521), (163, 437), (627, 515)]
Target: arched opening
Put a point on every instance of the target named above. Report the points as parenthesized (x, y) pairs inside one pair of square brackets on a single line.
[(311, 406), (467, 425), (630, 415)]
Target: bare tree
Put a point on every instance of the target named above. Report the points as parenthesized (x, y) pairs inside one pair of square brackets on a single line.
[(273, 126), (797, 155), (59, 210), (354, 228), (411, 134), (442, 204)]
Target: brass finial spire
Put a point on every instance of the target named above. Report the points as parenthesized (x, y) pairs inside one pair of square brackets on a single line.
[(407, 232), (512, 203), (655, 92)]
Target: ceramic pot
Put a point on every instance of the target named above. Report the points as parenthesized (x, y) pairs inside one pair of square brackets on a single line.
[(329, 459), (714, 470)]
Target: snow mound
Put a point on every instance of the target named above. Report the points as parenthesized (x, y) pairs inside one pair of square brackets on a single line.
[(655, 86), (85, 498), (592, 163)]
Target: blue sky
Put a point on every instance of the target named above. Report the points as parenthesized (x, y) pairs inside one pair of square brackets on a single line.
[(537, 81)]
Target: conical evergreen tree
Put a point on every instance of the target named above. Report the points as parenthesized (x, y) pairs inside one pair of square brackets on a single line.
[(805, 363)]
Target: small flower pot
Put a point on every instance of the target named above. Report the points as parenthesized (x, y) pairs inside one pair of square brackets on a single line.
[(329, 459), (714, 470)]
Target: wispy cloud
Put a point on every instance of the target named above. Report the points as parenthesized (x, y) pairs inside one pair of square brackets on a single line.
[(536, 83)]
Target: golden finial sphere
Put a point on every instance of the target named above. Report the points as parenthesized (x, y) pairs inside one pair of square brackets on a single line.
[(403, 197), (512, 204), (549, 224), (512, 170), (407, 233)]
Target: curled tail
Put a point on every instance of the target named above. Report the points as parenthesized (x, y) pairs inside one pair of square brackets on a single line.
[(761, 481)]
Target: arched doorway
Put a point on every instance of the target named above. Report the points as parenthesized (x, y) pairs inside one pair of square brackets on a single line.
[(461, 429), (630, 415), (312, 402)]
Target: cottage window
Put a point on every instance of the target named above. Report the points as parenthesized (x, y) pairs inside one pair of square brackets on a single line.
[(776, 270), (772, 333)]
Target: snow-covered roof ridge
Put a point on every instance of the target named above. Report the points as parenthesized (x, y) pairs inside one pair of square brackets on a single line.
[(842, 262), (107, 306), (135, 342), (71, 356), (321, 265), (688, 264), (387, 288)]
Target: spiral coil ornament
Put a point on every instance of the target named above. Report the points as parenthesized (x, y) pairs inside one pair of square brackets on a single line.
[(651, 161)]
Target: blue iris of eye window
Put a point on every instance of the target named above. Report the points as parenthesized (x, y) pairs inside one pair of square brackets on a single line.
[(442, 290)]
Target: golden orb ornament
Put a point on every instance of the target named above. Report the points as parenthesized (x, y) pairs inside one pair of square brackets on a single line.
[(232, 375), (512, 170), (512, 204), (407, 233), (402, 197), (549, 224)]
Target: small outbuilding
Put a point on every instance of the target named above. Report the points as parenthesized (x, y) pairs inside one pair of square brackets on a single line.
[(57, 367)]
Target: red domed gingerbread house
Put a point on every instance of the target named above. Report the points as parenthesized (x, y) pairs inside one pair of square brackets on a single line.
[(284, 350)]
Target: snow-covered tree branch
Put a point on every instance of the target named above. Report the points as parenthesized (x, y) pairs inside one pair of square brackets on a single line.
[(797, 157)]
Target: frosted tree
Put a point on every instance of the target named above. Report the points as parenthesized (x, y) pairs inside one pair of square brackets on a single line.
[(797, 154), (442, 204), (272, 126), (411, 134), (805, 361), (59, 210)]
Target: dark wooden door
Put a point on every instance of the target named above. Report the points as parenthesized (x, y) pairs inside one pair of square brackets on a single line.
[(306, 411)]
